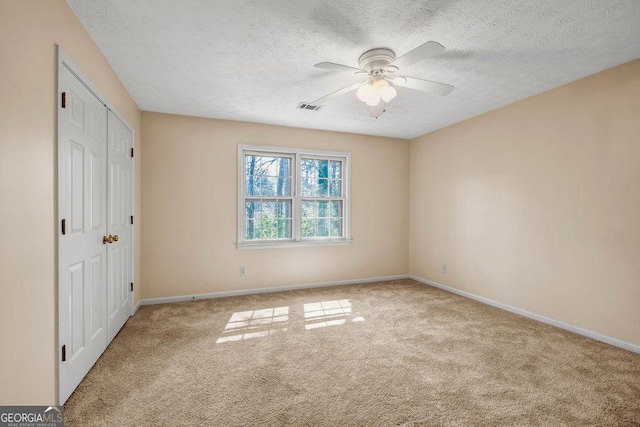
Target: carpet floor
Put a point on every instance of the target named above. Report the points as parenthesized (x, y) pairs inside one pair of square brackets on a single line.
[(395, 353)]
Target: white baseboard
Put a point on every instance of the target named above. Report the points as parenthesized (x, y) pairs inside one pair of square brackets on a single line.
[(590, 334), (183, 298), (136, 307)]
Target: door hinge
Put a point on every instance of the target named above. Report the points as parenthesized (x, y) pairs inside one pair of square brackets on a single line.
[(132, 287), (64, 353), (64, 99), (64, 226), (131, 152), (131, 219)]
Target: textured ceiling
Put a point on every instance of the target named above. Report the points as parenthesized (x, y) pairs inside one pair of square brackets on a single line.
[(252, 60)]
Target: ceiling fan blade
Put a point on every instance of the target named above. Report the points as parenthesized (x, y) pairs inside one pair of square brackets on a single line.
[(378, 110), (418, 54), (338, 67), (423, 85), (339, 92)]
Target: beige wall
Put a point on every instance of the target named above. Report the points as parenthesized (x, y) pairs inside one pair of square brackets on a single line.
[(536, 205), (29, 31), (189, 197)]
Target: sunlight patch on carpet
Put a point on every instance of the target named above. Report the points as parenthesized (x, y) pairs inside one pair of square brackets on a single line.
[(242, 322), (328, 313)]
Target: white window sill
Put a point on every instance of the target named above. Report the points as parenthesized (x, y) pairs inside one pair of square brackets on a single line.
[(284, 245)]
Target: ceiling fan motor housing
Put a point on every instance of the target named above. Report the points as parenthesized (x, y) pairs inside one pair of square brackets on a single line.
[(376, 59)]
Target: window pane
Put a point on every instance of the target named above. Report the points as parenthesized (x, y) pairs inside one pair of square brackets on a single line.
[(308, 177), (251, 186), (335, 188), (283, 186), (268, 186), (308, 167), (322, 227), (307, 187), (336, 227), (308, 227), (283, 209), (322, 218), (323, 168), (267, 175), (284, 177), (284, 229), (336, 209), (249, 230), (284, 166), (269, 228), (335, 169), (322, 187), (268, 219), (251, 208), (323, 209), (321, 178), (309, 209)]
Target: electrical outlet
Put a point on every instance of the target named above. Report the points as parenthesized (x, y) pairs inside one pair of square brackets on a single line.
[(444, 268), (243, 270)]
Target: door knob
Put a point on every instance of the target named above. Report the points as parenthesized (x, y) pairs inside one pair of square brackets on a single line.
[(109, 239)]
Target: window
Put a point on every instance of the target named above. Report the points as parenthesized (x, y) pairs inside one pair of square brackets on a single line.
[(292, 197)]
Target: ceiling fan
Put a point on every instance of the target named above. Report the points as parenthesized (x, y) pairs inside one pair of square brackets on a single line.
[(381, 67)]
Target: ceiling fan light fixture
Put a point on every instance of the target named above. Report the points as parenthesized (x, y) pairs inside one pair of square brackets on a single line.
[(372, 93), (373, 101), (387, 92), (376, 90), (377, 84), (366, 93)]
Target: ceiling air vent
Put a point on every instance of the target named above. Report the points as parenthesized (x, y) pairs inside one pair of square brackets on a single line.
[(305, 106)]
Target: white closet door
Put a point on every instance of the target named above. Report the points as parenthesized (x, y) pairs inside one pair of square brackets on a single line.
[(82, 255), (120, 252)]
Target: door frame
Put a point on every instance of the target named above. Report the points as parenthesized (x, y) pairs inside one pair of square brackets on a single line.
[(64, 60)]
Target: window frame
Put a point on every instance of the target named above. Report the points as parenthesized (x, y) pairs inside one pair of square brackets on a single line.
[(296, 195)]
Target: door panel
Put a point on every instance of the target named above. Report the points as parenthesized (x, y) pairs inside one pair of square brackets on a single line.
[(76, 107), (81, 253), (115, 280), (97, 196), (97, 314), (77, 302), (120, 207), (77, 187)]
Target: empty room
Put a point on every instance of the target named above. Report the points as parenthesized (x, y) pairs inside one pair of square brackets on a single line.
[(320, 213)]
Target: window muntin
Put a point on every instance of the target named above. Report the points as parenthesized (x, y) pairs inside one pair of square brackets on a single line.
[(292, 196)]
